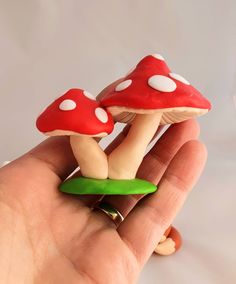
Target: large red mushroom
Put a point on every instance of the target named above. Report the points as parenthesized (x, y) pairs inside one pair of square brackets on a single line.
[(148, 96), (78, 115)]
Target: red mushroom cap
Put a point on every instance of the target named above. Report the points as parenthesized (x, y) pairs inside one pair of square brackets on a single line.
[(75, 113), (150, 87)]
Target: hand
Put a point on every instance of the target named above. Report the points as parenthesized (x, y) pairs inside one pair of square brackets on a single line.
[(50, 237)]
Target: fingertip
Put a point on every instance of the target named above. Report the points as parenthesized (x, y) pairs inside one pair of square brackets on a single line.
[(191, 125), (197, 149), (187, 165), (195, 126)]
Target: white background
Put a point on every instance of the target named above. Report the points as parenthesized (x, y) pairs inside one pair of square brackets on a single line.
[(47, 47)]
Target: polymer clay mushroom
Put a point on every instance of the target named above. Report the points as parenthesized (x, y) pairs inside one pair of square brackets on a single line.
[(78, 115), (170, 242), (148, 96)]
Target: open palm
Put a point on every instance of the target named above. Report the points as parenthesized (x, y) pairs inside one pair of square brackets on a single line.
[(50, 237)]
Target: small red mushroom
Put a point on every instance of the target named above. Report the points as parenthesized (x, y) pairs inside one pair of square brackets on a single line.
[(80, 116), (148, 96), (170, 243)]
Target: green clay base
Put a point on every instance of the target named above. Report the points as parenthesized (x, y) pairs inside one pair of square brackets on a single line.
[(83, 185)]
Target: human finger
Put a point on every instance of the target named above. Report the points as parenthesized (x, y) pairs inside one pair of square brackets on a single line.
[(148, 220), (156, 161)]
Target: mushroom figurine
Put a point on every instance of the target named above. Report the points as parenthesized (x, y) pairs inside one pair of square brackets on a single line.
[(148, 96), (170, 242), (77, 114)]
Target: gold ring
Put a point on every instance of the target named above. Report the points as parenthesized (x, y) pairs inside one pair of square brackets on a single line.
[(111, 212)]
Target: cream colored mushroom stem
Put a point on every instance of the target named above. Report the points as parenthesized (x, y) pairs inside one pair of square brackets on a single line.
[(90, 157), (125, 160)]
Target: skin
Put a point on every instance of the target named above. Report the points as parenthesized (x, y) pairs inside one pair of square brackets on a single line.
[(50, 237)]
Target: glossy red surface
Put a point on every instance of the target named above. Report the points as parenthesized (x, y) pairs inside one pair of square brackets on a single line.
[(139, 95), (81, 120)]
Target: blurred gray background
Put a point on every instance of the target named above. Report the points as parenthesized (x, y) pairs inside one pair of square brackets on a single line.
[(47, 47)]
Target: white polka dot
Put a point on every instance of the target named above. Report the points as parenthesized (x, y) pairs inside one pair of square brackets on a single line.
[(161, 83), (130, 71), (123, 85), (158, 56), (89, 96), (179, 78), (101, 115), (67, 105)]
